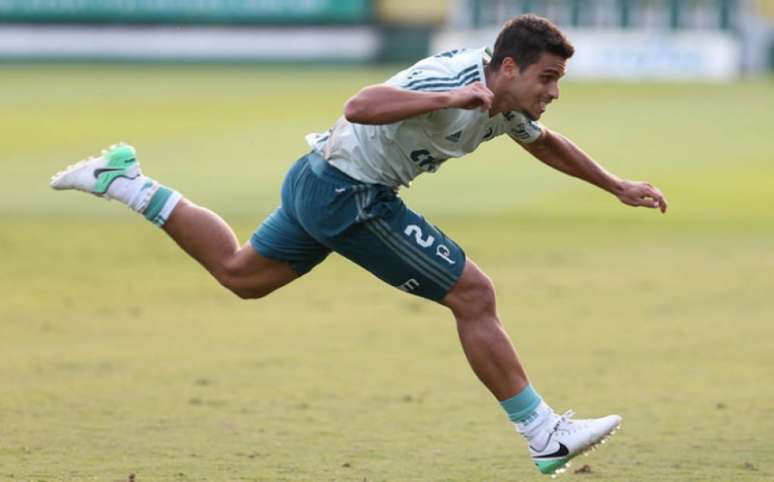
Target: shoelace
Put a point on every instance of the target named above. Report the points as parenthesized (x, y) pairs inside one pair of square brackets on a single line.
[(564, 419)]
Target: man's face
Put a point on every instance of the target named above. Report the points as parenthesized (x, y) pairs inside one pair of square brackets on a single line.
[(537, 86)]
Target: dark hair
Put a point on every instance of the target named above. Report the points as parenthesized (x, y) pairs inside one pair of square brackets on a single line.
[(525, 37)]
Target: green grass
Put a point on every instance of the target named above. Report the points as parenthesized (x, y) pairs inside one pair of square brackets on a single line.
[(120, 355)]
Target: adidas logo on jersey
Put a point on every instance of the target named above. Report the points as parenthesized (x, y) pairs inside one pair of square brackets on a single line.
[(454, 137)]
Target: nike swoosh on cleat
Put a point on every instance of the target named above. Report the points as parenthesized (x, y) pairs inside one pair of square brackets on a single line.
[(559, 453), (98, 172)]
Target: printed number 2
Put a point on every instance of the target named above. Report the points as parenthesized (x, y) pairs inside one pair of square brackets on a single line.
[(413, 229)]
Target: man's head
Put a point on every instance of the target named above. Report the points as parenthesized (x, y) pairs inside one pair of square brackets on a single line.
[(528, 60)]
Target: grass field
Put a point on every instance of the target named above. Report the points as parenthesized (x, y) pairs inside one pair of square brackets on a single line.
[(119, 355)]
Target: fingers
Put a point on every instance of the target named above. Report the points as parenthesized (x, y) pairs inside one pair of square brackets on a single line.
[(482, 96), (662, 202), (475, 95), (485, 95), (646, 195), (656, 197), (642, 202), (486, 103)]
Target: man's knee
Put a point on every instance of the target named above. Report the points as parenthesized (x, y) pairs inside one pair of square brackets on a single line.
[(473, 295), (251, 279), (246, 292), (231, 277)]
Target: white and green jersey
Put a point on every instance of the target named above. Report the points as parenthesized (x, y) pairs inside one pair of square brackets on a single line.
[(394, 154)]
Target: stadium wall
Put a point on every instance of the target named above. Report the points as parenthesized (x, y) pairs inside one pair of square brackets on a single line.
[(189, 30), (187, 11), (379, 30), (190, 43)]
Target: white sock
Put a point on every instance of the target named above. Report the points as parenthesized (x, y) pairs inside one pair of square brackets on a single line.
[(534, 428)]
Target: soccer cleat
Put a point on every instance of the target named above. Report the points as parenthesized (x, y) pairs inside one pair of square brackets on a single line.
[(569, 438), (96, 174)]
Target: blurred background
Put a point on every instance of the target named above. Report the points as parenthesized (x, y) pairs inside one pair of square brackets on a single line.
[(119, 354), (622, 39)]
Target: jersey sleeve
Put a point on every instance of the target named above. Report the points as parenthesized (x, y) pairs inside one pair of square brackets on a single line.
[(521, 128), (440, 73)]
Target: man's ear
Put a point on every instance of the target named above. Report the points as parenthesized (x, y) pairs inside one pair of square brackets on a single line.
[(509, 67)]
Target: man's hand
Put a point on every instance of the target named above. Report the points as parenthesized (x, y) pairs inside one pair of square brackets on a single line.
[(471, 96), (638, 193)]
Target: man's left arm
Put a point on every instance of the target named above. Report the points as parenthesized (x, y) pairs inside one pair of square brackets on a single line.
[(562, 154)]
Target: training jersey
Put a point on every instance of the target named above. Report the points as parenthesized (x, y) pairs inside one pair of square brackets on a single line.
[(394, 154)]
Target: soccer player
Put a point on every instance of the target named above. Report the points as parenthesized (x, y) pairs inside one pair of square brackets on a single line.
[(343, 196)]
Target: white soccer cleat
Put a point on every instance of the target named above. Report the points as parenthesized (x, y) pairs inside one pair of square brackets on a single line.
[(569, 438), (96, 174)]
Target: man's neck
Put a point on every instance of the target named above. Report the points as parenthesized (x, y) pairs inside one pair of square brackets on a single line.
[(489, 78)]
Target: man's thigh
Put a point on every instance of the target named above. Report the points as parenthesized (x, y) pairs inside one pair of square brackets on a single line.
[(405, 251), (281, 238), (368, 224)]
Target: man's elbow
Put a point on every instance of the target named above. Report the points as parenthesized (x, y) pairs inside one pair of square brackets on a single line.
[(543, 144), (356, 111)]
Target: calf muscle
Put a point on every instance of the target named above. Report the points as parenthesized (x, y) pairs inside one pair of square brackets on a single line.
[(486, 344), (208, 239)]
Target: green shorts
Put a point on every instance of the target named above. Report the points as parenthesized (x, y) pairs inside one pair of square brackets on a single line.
[(325, 210)]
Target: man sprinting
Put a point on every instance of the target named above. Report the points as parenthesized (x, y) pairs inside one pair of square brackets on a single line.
[(343, 197)]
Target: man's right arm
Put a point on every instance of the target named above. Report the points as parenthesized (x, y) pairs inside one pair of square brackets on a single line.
[(384, 104)]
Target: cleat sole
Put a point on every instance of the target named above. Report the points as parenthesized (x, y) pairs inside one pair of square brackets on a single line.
[(562, 468)]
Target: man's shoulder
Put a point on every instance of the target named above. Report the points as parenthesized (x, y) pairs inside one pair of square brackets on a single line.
[(453, 60), (442, 71)]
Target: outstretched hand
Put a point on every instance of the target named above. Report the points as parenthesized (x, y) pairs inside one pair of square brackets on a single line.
[(475, 95), (638, 193)]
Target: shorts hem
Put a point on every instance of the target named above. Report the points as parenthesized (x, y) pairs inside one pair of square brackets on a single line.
[(265, 251)]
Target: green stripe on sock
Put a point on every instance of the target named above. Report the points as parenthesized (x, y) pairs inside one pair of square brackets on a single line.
[(157, 202), (521, 405)]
